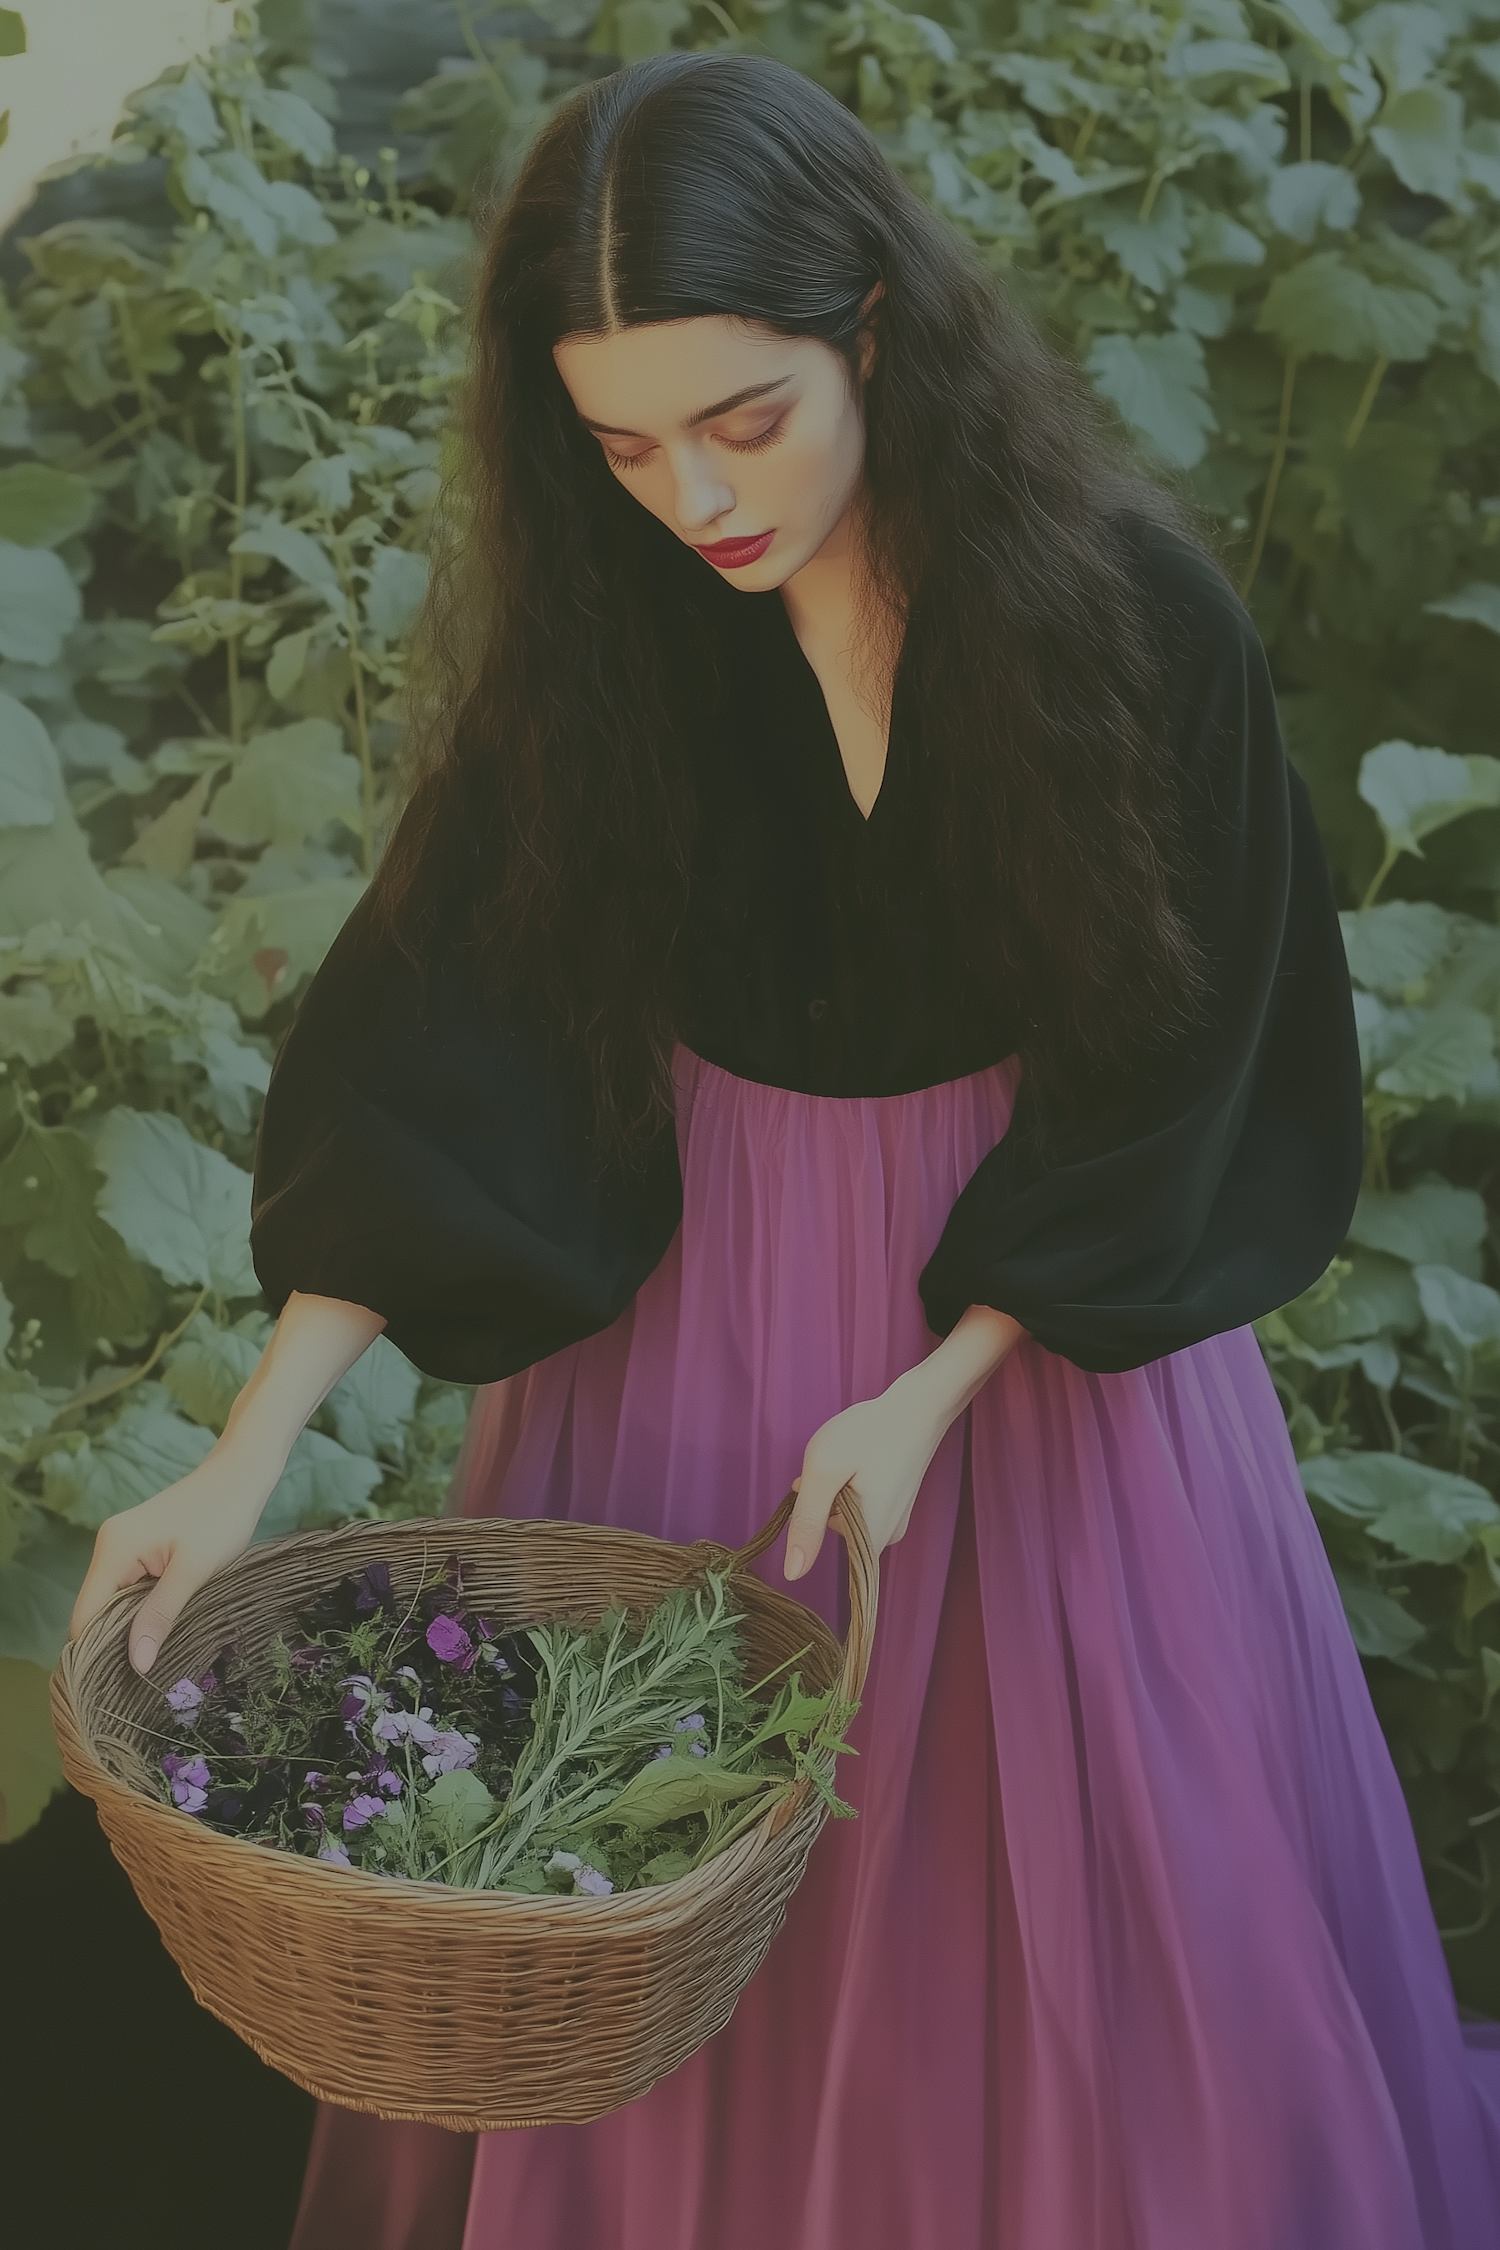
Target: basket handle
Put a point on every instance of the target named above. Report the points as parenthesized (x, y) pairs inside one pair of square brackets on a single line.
[(864, 1579)]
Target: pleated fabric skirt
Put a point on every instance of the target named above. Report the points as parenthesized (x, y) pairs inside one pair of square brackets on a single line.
[(1128, 1948)]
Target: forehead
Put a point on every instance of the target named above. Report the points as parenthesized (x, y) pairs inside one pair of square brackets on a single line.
[(657, 377)]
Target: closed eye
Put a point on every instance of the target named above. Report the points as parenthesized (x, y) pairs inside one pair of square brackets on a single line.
[(733, 445), (757, 444)]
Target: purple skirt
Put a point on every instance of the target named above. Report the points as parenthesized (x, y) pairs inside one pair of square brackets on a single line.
[(1129, 1948)]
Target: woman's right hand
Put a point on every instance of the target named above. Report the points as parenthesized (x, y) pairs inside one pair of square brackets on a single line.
[(178, 1539)]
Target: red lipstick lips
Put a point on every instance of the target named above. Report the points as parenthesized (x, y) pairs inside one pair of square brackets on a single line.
[(735, 554)]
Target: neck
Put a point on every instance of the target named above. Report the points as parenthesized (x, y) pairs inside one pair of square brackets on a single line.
[(829, 601)]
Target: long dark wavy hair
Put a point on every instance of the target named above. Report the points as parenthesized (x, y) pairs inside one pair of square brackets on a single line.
[(567, 649)]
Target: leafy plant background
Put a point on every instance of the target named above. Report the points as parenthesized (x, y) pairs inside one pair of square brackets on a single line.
[(1270, 231)]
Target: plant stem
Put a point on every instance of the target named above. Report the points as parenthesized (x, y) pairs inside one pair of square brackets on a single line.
[(237, 562), (1304, 119), (1392, 854), (1273, 478), (91, 1393), (1366, 401)]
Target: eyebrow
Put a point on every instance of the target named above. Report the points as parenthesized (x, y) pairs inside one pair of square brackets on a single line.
[(704, 413)]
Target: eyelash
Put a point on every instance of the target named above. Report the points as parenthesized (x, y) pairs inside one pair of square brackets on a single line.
[(744, 445)]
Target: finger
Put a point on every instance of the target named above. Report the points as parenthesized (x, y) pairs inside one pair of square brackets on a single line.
[(809, 1521), (158, 1614), (105, 1577)]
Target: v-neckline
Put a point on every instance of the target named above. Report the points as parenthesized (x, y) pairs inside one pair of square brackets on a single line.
[(838, 773)]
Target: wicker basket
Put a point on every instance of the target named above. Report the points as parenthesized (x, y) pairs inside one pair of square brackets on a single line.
[(471, 2009)]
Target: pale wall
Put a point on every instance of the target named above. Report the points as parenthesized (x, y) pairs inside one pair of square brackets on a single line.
[(65, 94)]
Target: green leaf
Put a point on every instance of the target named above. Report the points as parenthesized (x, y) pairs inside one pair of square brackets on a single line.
[(1378, 1625), (12, 32), (670, 1788), (1204, 59), (1366, 1294), (1478, 603), (182, 106), (1420, 135), (39, 604), (179, 1205), (1433, 1224), (292, 121), (47, 1189), (1317, 24), (371, 1406), (1304, 197), (148, 1447), (263, 946), (286, 785), (1439, 1053), (1415, 792), (1463, 1323), (30, 781), (30, 1763), (1160, 386), (38, 1589), (285, 665), (296, 551), (1369, 1484), (1427, 1513), (31, 1028), (461, 1802), (209, 1367), (264, 213), (41, 506), (394, 593), (322, 1483), (1393, 949), (1403, 41), (1325, 304), (646, 27)]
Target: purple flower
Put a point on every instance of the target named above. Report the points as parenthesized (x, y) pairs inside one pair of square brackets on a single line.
[(389, 1782), (314, 1780), (184, 1700), (361, 1811), (314, 1816), (451, 1752), (592, 1883), (449, 1643), (665, 1751), (401, 1726), (189, 1779), (696, 1719), (373, 1588), (336, 1855)]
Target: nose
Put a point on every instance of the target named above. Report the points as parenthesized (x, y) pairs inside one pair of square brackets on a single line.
[(702, 494)]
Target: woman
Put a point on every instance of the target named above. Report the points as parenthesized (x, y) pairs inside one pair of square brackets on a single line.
[(856, 991)]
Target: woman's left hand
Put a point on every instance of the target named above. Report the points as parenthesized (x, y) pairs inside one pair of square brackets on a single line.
[(883, 1445)]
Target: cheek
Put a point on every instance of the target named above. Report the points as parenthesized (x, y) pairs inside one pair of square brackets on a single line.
[(653, 488), (822, 471)]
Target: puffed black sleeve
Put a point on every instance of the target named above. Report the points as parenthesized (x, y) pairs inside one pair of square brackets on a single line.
[(419, 1157), (1235, 1183)]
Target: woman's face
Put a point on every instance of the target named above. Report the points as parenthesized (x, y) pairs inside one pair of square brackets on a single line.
[(748, 445)]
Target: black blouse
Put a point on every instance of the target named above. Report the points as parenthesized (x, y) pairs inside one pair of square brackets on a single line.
[(424, 1160)]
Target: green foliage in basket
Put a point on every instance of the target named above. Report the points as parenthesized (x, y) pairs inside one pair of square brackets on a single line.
[(1270, 233), (422, 1739)]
